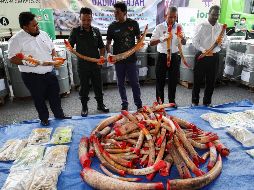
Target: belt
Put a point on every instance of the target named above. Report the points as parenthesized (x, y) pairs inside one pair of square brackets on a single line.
[(171, 53), (37, 73)]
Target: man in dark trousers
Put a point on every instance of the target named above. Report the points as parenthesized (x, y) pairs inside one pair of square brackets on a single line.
[(159, 38), (123, 31), (205, 36), (40, 79), (88, 42)]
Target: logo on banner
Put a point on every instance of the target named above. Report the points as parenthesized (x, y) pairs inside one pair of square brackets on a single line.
[(4, 21), (46, 17), (207, 2), (235, 16), (39, 18)]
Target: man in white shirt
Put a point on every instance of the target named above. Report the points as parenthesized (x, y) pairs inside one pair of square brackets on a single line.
[(40, 79), (159, 38), (206, 34), (163, 6)]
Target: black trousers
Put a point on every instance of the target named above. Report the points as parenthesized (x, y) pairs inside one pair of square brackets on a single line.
[(206, 68), (42, 87), (130, 70), (173, 73), (87, 73)]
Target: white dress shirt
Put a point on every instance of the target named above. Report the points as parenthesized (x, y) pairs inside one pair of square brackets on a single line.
[(206, 35), (39, 47), (159, 31)]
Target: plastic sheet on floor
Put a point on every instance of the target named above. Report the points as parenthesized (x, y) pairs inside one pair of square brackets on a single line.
[(238, 167)]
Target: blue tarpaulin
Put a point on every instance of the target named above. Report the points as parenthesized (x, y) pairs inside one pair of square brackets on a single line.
[(238, 167)]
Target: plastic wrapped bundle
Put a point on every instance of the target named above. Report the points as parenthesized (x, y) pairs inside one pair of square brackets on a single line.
[(250, 113), (40, 136), (249, 57), (250, 152), (215, 119), (29, 157), (233, 64), (247, 75), (55, 156), (14, 179), (40, 177), (11, 149), (238, 46), (62, 135), (244, 136)]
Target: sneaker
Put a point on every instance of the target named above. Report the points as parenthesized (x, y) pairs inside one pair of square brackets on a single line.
[(103, 108), (45, 122)]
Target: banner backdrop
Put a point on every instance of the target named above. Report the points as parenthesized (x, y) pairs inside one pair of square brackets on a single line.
[(9, 13), (66, 12), (151, 12), (196, 12)]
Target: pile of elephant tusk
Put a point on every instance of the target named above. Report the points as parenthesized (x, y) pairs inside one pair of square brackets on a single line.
[(146, 143)]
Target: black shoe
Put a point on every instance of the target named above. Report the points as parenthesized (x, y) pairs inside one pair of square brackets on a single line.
[(84, 111), (140, 109), (102, 107), (194, 104), (124, 107), (45, 122), (207, 105), (64, 117)]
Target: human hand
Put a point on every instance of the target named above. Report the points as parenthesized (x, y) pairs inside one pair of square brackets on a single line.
[(209, 53), (68, 45), (111, 58), (58, 61), (57, 64), (29, 61), (101, 60), (180, 35), (165, 37)]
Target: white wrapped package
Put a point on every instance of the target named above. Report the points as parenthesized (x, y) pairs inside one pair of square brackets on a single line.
[(14, 179), (62, 135), (250, 113), (250, 152), (216, 120), (242, 135), (41, 178), (11, 149), (219, 120), (40, 136), (55, 156), (243, 119), (38, 178), (29, 157)]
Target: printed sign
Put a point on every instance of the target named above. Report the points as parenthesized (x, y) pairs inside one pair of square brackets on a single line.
[(46, 20)]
